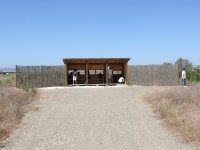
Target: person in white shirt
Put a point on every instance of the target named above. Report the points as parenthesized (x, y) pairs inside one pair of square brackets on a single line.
[(121, 80), (183, 77)]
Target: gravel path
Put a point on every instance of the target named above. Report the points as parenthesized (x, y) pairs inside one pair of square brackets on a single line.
[(104, 118)]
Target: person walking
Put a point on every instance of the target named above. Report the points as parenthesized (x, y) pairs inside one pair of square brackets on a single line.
[(183, 77)]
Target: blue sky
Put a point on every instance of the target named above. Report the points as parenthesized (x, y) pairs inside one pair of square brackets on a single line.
[(43, 32)]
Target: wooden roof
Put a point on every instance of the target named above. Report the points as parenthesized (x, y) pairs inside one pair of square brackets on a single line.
[(95, 60)]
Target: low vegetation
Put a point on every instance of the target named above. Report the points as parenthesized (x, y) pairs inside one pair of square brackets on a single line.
[(7, 79), (192, 73), (194, 76), (14, 103), (179, 108)]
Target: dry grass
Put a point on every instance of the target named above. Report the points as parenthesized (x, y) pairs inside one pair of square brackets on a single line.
[(179, 108), (8, 80), (14, 103)]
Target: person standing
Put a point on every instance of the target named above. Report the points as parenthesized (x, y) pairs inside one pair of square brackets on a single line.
[(75, 74), (183, 77)]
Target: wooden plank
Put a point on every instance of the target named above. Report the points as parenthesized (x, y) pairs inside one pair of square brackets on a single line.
[(106, 73), (76, 66), (96, 66), (95, 60)]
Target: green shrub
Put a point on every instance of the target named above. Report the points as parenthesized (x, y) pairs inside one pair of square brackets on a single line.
[(29, 87), (33, 89), (188, 75), (195, 76), (25, 87)]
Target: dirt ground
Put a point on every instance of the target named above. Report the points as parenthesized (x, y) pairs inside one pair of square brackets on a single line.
[(93, 118)]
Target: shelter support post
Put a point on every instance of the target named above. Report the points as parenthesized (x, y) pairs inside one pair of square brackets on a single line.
[(86, 73), (66, 75), (126, 72)]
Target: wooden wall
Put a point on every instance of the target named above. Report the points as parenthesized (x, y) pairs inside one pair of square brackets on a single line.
[(40, 76)]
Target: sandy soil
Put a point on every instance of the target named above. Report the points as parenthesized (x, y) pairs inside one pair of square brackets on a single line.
[(98, 118)]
